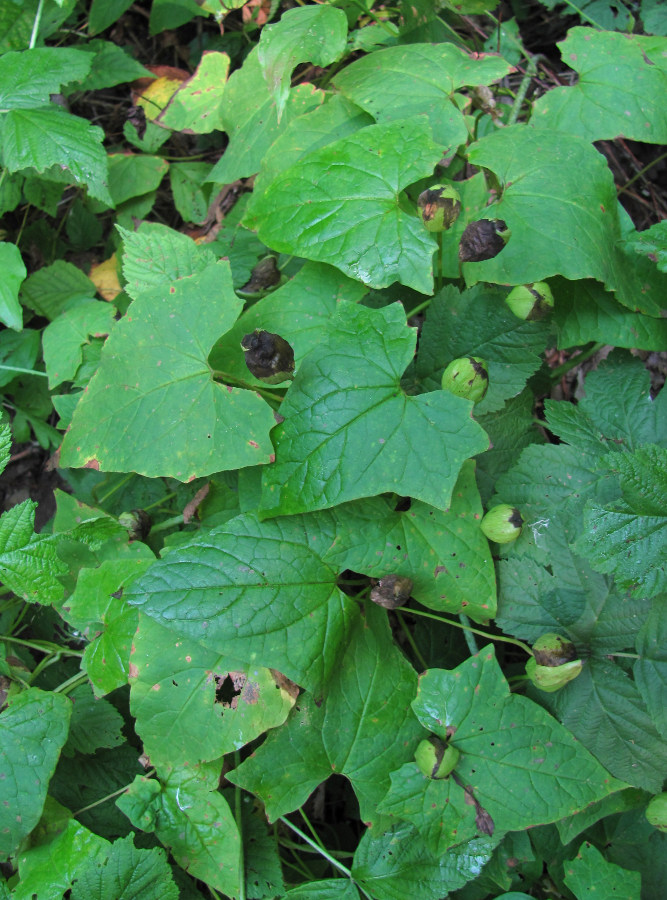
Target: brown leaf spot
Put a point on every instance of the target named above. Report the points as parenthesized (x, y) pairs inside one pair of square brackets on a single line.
[(133, 670), (92, 464)]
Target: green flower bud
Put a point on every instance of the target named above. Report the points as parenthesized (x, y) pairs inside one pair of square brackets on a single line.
[(137, 522), (483, 239), (268, 356), (440, 207), (502, 523), (466, 377), (656, 812), (392, 591), (435, 758), (552, 678), (531, 301), (553, 650)]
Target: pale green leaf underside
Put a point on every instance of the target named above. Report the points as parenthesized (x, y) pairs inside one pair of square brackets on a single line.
[(13, 274), (351, 432), (620, 91), (341, 205), (153, 407)]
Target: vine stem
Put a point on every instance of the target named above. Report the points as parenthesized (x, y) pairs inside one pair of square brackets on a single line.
[(35, 25), (108, 796), (42, 646), (640, 173), (24, 371), (238, 815), (557, 373), (71, 683), (484, 634), (467, 634), (411, 640)]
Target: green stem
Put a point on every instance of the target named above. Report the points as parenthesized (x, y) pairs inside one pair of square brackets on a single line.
[(24, 371), (438, 279), (43, 646), (640, 173), (470, 638), (557, 373), (315, 835), (35, 25), (626, 655), (510, 37), (116, 487), (163, 526), (160, 502), (420, 307), (406, 631), (108, 797), (484, 634), (583, 15), (71, 683), (521, 93), (334, 862), (374, 17), (238, 815)]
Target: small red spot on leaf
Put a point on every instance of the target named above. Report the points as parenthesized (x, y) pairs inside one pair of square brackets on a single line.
[(92, 464)]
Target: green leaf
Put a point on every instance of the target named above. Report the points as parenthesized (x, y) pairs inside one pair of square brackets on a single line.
[(362, 730), (175, 688), (651, 243), (126, 874), (250, 117), (13, 275), (34, 729), (155, 256), (41, 138), (351, 432), (195, 106), (650, 670), (398, 864), (104, 13), (261, 859), (300, 311), (52, 288), (174, 420), (342, 205), (63, 340), (400, 82), (95, 723), (133, 175), (445, 554), (315, 34), (28, 79), (631, 798), (586, 312), (478, 323), (191, 195), (29, 563), (520, 765), (5, 445), (621, 78), (328, 889), (654, 17), (192, 819), (558, 199), (260, 588), (111, 65), (589, 872)]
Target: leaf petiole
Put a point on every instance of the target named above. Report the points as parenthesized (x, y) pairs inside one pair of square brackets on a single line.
[(484, 634)]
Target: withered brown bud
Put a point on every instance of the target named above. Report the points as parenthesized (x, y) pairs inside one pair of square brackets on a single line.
[(137, 117), (483, 240), (137, 522), (392, 591), (264, 277), (440, 207), (268, 356)]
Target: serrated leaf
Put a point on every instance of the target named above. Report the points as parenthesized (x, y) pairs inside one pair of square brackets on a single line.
[(41, 138), (192, 819), (351, 432), (63, 340), (28, 79), (163, 414), (341, 204), (195, 107), (5, 445), (13, 275), (558, 199), (34, 728), (586, 312), (444, 553), (603, 708), (400, 82), (126, 874), (52, 288), (315, 34), (518, 763), (155, 256), (250, 117), (260, 588), (587, 874), (174, 699), (191, 195), (650, 670), (362, 730), (95, 723), (478, 323), (398, 864), (621, 77), (651, 243), (111, 65), (29, 563), (300, 311)]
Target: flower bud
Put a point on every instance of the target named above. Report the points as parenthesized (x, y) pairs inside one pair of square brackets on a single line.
[(435, 758), (531, 301), (552, 678), (553, 650), (137, 522), (502, 523), (268, 356), (466, 377), (440, 207), (483, 240), (656, 812), (392, 591), (264, 278)]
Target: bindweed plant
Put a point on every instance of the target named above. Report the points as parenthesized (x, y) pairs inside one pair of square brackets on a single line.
[(334, 327)]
